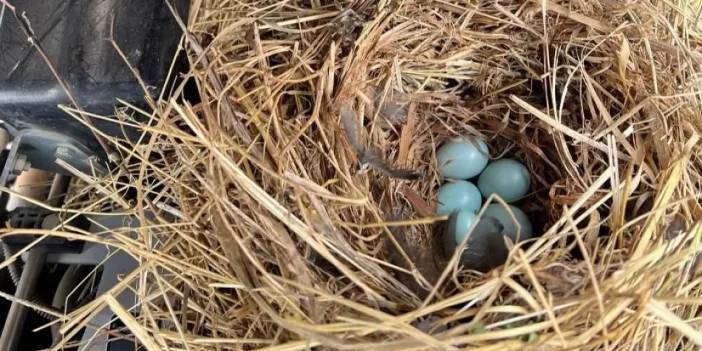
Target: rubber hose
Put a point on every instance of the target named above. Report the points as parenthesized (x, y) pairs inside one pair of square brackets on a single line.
[(73, 275), (55, 327), (15, 271), (37, 301)]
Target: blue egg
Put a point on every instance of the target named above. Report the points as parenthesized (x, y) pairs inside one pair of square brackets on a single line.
[(505, 177), (458, 195), (458, 225), (509, 227), (462, 158), (484, 248)]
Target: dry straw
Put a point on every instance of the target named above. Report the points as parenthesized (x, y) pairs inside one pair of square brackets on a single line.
[(274, 231)]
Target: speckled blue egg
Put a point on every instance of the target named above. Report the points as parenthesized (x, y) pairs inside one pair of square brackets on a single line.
[(505, 177), (509, 227), (462, 158), (458, 195)]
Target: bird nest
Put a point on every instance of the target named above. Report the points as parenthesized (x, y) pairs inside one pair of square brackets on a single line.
[(287, 202)]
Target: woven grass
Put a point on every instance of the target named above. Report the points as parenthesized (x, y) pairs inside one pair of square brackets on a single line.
[(281, 223)]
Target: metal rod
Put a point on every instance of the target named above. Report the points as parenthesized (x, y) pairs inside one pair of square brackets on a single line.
[(8, 166), (14, 322), (4, 139), (58, 189), (5, 251)]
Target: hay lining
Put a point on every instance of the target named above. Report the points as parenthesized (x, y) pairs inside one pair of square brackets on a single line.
[(273, 232)]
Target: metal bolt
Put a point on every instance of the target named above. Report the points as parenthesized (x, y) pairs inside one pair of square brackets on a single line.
[(21, 164)]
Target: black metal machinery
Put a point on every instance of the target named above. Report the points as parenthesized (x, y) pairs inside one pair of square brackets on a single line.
[(69, 52)]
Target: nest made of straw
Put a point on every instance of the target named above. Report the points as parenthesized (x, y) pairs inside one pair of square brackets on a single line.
[(275, 231)]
